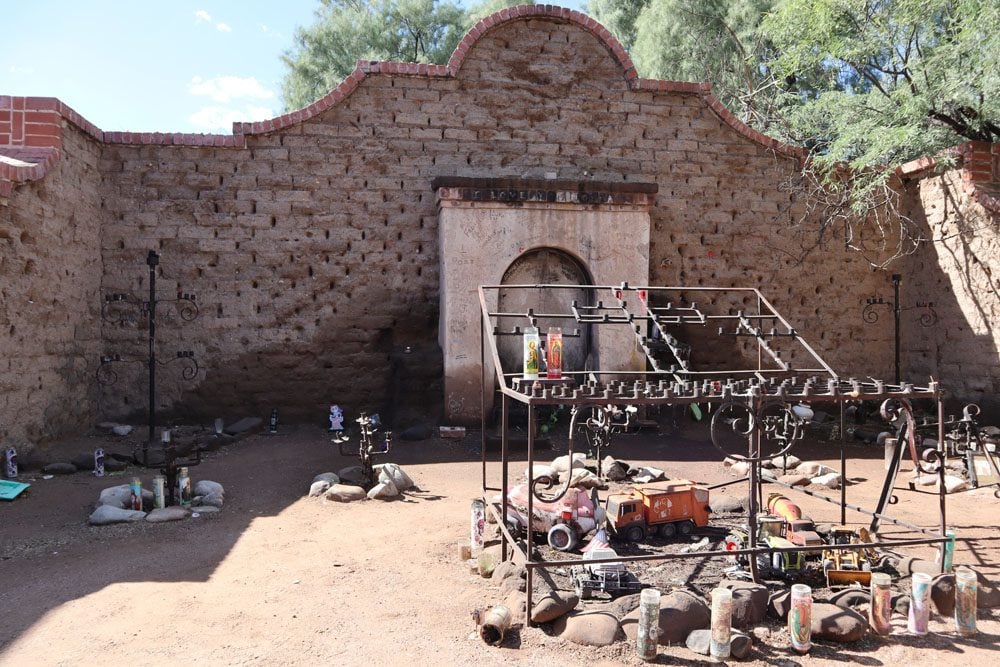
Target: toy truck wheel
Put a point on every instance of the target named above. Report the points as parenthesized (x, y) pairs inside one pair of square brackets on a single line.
[(668, 530), (685, 527), (561, 537), (635, 533)]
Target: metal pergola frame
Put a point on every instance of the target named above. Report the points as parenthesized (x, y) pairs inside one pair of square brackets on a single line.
[(768, 382)]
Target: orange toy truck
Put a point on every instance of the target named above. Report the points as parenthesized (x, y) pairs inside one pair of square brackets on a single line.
[(667, 508)]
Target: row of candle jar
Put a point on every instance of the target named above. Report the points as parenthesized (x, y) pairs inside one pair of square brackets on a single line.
[(800, 613), (553, 353)]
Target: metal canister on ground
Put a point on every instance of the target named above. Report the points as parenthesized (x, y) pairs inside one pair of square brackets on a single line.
[(136, 487), (159, 497), (99, 462), (10, 463), (183, 487)]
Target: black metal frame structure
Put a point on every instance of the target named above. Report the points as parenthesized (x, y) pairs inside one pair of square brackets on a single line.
[(758, 395)]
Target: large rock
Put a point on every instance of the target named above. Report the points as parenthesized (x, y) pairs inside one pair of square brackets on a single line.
[(588, 628), (542, 470), (59, 468), (621, 607), (581, 478), (836, 624), (830, 480), (329, 477), (319, 488), (727, 504), (84, 461), (109, 514), (204, 487), (910, 565), (385, 491), (795, 479), (121, 497), (779, 604), (740, 469), (243, 425), (352, 475), (390, 472), (749, 602), (511, 584), (121, 430), (788, 462), (699, 641), (813, 469), (216, 500), (740, 645), (852, 598), (517, 604), (165, 514), (345, 493), (680, 613), (988, 595), (508, 568), (561, 463), (647, 474), (943, 593), (553, 605), (613, 469)]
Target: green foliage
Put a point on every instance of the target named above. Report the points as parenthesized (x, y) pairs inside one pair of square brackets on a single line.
[(425, 31), (619, 17)]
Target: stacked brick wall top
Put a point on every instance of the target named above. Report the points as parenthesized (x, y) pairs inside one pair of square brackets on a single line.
[(960, 273)]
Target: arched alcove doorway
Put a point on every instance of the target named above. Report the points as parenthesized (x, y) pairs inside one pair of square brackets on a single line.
[(546, 266)]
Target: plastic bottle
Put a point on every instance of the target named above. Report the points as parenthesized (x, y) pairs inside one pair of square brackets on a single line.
[(647, 637), (966, 592), (880, 611), (920, 593), (722, 617), (800, 618), (531, 342)]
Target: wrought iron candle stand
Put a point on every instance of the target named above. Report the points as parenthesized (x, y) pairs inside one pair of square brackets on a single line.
[(125, 309), (366, 446), (870, 314)]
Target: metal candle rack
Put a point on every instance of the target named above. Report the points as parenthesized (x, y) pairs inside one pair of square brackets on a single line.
[(129, 310), (366, 446), (764, 402), (869, 314)]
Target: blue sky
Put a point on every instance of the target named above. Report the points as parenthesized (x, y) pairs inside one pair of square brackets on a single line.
[(155, 65)]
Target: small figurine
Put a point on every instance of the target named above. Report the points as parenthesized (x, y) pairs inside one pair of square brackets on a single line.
[(336, 418)]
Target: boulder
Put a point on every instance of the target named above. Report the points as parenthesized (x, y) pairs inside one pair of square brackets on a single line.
[(680, 613), (562, 464), (779, 604), (813, 469), (345, 493), (788, 462), (795, 479), (584, 479), (901, 604), (243, 425), (909, 565), (517, 605), (836, 624), (205, 487), (852, 598), (988, 595), (830, 480), (621, 607), (542, 470), (553, 605), (352, 475), (385, 491), (767, 475), (726, 504), (164, 514), (121, 496), (319, 488), (699, 641), (511, 584), (109, 514), (953, 484), (114, 465), (943, 593), (60, 468), (588, 628), (613, 469), (329, 477), (121, 430), (740, 645), (390, 472), (212, 500), (740, 469), (204, 509), (749, 602), (84, 461), (508, 568), (647, 474)]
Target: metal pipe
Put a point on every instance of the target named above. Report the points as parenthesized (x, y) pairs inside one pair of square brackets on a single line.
[(529, 549)]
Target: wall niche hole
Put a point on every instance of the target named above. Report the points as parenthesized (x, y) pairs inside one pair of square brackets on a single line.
[(274, 221)]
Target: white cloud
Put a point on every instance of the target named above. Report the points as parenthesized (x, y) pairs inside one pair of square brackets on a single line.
[(263, 27), (225, 89), (202, 15), (222, 118), (223, 27), (16, 69)]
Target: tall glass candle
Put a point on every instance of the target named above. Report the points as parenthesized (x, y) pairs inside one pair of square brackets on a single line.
[(966, 589), (531, 342), (722, 618), (920, 599), (880, 611), (554, 353), (647, 637), (800, 618)]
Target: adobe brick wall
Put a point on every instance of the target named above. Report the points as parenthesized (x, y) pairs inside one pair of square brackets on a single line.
[(50, 273), (311, 240), (960, 273)]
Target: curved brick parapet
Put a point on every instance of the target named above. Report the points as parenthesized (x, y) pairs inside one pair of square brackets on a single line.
[(980, 166)]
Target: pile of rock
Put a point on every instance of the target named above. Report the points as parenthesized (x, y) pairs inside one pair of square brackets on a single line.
[(790, 470), (581, 476), (115, 505), (346, 485)]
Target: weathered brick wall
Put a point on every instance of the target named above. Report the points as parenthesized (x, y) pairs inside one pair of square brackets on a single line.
[(50, 272), (960, 273), (313, 251)]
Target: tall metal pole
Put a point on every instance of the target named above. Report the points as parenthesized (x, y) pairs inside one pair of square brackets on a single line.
[(152, 259), (895, 312)]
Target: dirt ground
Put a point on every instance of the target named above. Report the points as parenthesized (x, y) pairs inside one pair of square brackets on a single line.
[(279, 578)]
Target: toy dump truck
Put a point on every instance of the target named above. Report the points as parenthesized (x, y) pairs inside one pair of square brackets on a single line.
[(799, 530), (610, 578), (667, 508)]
